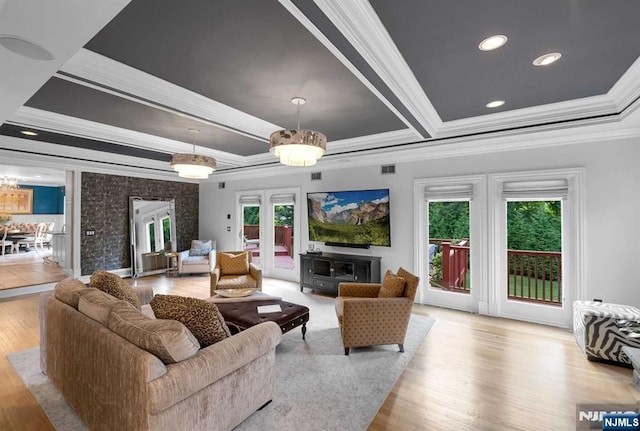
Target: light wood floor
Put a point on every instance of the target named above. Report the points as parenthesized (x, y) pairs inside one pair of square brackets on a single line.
[(471, 372), (27, 269)]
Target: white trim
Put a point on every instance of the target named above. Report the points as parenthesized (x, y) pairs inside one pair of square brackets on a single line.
[(76, 226), (627, 89), (361, 26)]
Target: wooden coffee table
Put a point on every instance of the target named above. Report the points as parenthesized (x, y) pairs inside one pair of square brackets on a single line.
[(242, 315)]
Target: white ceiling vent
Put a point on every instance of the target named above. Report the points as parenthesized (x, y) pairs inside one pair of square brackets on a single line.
[(315, 176), (388, 169)]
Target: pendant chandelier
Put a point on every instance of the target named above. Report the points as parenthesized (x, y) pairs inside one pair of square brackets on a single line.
[(299, 147), (8, 183), (193, 165)]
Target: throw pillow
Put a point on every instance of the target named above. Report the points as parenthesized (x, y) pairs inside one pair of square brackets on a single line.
[(392, 286), (200, 248), (169, 340), (114, 286), (202, 318), (234, 264)]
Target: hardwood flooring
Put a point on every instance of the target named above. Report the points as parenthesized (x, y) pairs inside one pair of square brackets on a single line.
[(470, 373), (27, 269)]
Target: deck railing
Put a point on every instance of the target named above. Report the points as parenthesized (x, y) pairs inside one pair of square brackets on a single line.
[(534, 276)]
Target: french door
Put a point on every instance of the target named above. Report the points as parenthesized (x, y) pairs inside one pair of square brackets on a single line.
[(269, 220), (450, 241)]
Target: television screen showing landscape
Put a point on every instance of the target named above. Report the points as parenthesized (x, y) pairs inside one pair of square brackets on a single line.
[(352, 217)]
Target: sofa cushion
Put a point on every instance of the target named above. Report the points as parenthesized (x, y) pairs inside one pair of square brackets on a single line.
[(195, 260), (114, 286), (202, 318), (169, 340), (96, 304), (68, 290), (200, 248), (234, 264), (392, 286)]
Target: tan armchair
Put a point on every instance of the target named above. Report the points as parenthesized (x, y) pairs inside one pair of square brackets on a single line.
[(368, 320), (234, 270)]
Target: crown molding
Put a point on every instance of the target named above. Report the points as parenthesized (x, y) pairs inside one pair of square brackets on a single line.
[(361, 26), (453, 147), (587, 107), (59, 123), (25, 152), (626, 90), (104, 74), (360, 143)]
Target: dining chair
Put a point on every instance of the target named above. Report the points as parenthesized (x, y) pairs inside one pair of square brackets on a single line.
[(4, 242)]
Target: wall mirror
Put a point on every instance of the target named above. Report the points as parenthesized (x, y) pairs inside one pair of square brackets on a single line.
[(153, 234)]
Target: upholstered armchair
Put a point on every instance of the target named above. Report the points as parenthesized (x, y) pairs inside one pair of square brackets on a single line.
[(371, 314), (200, 258), (234, 270)]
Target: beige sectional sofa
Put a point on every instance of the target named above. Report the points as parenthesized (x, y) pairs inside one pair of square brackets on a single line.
[(112, 383)]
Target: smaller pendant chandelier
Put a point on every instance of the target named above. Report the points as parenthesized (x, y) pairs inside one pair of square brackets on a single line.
[(298, 147), (9, 183), (193, 165)]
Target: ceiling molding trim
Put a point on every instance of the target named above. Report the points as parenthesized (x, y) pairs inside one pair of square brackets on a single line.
[(59, 123), (157, 93), (361, 26), (371, 141), (627, 89), (34, 153), (306, 22), (454, 147), (586, 107)]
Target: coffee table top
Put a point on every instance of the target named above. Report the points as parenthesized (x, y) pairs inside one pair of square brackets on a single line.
[(244, 314)]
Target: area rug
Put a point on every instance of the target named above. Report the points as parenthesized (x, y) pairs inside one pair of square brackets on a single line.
[(317, 386)]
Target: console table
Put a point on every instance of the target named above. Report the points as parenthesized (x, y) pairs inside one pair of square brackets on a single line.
[(325, 271)]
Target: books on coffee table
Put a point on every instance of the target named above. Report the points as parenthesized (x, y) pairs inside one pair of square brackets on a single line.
[(264, 309)]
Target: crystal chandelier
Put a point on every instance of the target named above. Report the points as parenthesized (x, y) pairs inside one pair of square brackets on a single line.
[(8, 183), (299, 147), (193, 165)]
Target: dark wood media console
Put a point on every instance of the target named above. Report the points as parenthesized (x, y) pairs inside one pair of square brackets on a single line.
[(325, 271)]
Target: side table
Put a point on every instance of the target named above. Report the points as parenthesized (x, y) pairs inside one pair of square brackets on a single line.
[(172, 263)]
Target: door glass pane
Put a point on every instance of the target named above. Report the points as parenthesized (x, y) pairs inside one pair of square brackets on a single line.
[(449, 246), (534, 251), (151, 237), (166, 232), (283, 236), (251, 231)]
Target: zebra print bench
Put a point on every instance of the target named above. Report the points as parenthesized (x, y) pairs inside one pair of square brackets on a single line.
[(598, 337)]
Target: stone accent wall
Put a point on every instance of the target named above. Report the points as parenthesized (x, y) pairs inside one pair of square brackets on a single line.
[(105, 210)]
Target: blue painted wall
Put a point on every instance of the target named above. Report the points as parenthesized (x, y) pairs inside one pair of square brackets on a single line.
[(47, 200)]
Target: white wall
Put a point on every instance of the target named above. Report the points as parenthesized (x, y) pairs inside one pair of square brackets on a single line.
[(612, 259)]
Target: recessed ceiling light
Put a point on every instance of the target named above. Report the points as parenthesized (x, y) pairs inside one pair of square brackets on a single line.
[(25, 48), (37, 176), (28, 133), (495, 104), (492, 42), (547, 59)]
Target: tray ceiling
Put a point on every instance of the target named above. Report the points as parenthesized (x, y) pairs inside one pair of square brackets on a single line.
[(131, 78)]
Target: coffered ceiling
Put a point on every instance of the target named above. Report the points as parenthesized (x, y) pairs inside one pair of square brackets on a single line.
[(129, 78)]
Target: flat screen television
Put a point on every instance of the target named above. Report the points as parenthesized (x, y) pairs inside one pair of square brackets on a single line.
[(357, 218)]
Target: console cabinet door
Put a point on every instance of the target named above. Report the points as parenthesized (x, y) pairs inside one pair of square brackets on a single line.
[(361, 273)]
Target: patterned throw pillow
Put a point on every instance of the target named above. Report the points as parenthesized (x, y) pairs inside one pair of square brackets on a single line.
[(392, 286), (200, 248), (202, 318), (114, 286), (234, 264)]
